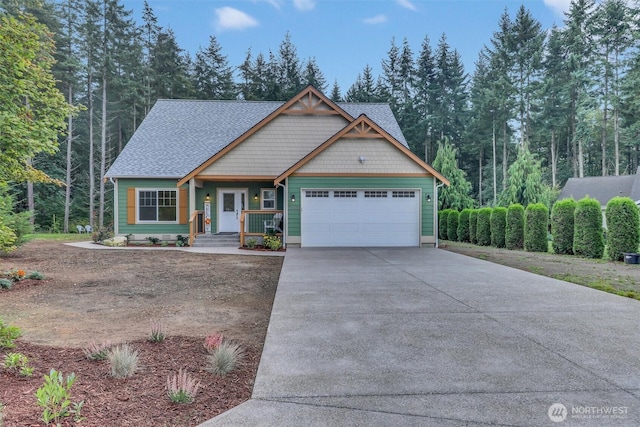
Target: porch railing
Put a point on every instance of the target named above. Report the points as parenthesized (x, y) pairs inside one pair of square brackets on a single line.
[(257, 223), (196, 225)]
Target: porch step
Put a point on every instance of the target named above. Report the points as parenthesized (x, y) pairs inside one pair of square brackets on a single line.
[(217, 240)]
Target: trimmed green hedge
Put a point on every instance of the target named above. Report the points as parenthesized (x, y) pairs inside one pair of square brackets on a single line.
[(452, 225), (442, 224), (623, 227), (463, 225), (515, 227), (562, 215), (536, 224), (473, 226), (587, 229), (498, 227), (483, 230)]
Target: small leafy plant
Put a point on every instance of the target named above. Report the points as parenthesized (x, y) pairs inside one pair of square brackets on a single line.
[(97, 351), (182, 388), (54, 396), (35, 275), (251, 243), (123, 360), (213, 341), (225, 358), (8, 335), (182, 240), (153, 240), (5, 283), (158, 333), (17, 362), (272, 242), (16, 274)]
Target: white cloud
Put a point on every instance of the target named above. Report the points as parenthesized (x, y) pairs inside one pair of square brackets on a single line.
[(407, 4), (304, 5), (275, 3), (559, 6), (378, 19), (228, 18)]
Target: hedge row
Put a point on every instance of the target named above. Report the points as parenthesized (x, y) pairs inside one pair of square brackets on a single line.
[(576, 227)]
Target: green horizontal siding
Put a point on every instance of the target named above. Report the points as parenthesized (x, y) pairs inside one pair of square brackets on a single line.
[(295, 184), (124, 228)]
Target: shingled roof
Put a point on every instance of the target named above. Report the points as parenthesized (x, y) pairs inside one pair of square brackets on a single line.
[(179, 135), (603, 188)]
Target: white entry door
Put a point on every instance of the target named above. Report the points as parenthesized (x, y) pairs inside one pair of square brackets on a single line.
[(231, 202)]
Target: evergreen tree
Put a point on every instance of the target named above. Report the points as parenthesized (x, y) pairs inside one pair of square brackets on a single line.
[(525, 184), (289, 74), (456, 196), (213, 78), (312, 75), (335, 92)]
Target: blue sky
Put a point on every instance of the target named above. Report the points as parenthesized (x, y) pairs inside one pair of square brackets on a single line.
[(342, 35)]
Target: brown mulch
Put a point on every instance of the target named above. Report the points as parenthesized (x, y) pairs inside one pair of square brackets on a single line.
[(140, 400)]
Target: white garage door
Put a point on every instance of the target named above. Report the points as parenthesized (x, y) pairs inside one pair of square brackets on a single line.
[(360, 218)]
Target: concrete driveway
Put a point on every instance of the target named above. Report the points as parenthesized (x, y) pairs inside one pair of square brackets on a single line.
[(403, 337)]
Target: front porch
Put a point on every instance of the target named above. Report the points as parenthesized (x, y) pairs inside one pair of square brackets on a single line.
[(253, 224)]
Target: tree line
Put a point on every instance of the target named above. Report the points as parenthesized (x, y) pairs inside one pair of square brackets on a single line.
[(541, 105)]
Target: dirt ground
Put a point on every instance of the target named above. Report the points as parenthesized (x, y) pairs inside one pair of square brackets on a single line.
[(594, 273), (114, 295)]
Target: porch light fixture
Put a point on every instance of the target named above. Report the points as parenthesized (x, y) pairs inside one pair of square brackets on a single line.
[(208, 197), (362, 159), (255, 197), (293, 198), (428, 197)]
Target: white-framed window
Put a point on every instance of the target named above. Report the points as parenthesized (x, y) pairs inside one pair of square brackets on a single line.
[(157, 205), (268, 199)]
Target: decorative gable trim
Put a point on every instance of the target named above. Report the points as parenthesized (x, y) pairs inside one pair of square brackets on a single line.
[(362, 127), (308, 101)]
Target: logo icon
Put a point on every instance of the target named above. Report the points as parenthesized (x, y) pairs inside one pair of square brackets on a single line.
[(557, 412)]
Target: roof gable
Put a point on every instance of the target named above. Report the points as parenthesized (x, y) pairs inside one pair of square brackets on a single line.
[(602, 188), (362, 128), (309, 101)]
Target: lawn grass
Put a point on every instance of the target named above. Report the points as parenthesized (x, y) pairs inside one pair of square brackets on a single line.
[(59, 237)]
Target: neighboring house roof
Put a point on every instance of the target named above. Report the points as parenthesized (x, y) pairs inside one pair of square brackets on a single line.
[(603, 188), (177, 136)]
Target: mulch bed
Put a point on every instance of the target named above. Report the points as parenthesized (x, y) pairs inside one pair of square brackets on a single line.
[(140, 400)]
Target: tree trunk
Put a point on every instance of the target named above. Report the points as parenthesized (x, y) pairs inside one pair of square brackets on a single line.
[(495, 182), (31, 203), (67, 191), (504, 156), (580, 160), (92, 178), (554, 159), (480, 175), (604, 124), (103, 149)]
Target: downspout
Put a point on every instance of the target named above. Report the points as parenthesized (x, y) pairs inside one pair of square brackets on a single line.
[(285, 206), (437, 232), (116, 223)]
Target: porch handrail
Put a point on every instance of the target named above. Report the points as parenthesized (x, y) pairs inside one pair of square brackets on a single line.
[(192, 230)]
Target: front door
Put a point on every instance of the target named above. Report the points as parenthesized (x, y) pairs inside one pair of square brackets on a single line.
[(231, 202)]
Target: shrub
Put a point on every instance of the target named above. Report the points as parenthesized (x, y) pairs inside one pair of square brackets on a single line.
[(535, 228), (562, 215), (498, 227), (8, 335), (588, 240), (182, 388), (17, 362), (483, 229), (473, 226), (623, 227), (158, 333), (123, 360), (251, 243), (153, 240), (101, 235), (213, 341), (5, 283), (463, 225), (272, 242), (452, 225), (443, 223), (35, 275), (55, 397), (225, 358), (514, 237), (97, 351)]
